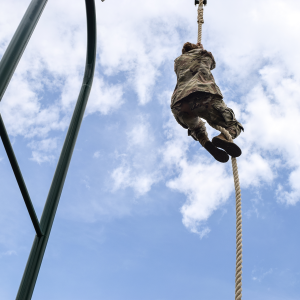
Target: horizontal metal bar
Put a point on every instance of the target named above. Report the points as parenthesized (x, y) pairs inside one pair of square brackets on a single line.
[(14, 164), (19, 42)]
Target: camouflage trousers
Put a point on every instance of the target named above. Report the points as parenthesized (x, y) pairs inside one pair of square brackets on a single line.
[(189, 111)]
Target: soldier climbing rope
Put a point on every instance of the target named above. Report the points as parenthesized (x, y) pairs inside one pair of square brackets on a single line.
[(197, 96)]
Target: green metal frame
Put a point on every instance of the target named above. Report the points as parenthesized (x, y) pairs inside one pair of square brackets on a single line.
[(8, 65)]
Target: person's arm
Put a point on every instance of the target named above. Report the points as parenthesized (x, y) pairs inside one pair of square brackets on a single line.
[(205, 52)]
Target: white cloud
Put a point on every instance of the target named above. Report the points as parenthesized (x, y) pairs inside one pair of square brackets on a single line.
[(291, 195), (104, 98), (135, 170), (254, 170), (23, 113), (206, 186), (140, 181), (271, 116), (46, 145), (140, 135), (41, 150)]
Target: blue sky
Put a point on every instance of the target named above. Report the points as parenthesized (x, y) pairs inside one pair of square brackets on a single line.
[(145, 212)]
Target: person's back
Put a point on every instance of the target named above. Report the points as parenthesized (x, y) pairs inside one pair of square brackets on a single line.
[(193, 70), (197, 96)]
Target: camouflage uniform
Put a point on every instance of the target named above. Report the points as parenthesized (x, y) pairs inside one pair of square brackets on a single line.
[(196, 96)]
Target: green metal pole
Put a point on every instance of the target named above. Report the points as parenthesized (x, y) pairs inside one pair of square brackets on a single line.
[(39, 244), (14, 164), (19, 42)]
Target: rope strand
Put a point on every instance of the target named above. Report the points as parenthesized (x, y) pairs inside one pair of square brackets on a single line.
[(238, 197)]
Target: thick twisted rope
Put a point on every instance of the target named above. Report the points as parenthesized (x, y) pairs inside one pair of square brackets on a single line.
[(238, 198), (200, 20)]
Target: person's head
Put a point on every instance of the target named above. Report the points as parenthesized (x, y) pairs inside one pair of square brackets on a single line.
[(189, 46)]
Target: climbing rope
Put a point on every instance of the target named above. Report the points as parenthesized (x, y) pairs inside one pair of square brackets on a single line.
[(238, 198), (200, 21)]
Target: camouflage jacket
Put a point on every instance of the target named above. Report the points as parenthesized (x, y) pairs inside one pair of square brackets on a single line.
[(193, 70)]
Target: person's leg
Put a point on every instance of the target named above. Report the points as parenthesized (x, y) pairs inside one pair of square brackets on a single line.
[(186, 118), (215, 112), (195, 125), (196, 128)]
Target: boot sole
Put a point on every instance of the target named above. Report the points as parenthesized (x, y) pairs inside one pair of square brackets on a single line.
[(231, 148), (217, 153)]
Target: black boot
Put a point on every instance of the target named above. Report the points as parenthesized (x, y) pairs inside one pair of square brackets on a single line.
[(231, 148), (217, 153)]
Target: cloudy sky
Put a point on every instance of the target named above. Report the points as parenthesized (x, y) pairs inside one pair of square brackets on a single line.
[(146, 213)]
